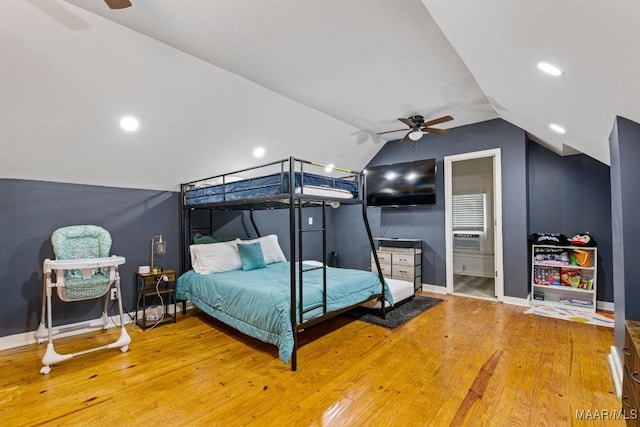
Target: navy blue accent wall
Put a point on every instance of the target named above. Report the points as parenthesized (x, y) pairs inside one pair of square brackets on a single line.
[(572, 195), (625, 175), (427, 222), (31, 210), (350, 235)]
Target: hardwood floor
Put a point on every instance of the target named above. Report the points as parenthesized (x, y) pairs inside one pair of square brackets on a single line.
[(464, 362)]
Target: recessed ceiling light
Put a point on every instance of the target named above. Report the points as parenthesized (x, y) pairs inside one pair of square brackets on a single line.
[(557, 128), (129, 123), (549, 69), (258, 152)]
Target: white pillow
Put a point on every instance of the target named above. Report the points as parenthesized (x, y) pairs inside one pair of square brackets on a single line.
[(270, 248), (215, 257)]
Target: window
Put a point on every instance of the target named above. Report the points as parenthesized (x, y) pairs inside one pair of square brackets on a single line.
[(469, 211)]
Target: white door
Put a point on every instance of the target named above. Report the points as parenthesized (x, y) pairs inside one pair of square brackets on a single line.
[(494, 154)]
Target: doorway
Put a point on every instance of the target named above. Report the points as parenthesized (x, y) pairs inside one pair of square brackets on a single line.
[(473, 224)]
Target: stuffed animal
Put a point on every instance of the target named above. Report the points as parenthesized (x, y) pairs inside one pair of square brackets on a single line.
[(583, 240)]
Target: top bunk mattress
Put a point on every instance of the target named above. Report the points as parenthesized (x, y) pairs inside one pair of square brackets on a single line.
[(277, 183)]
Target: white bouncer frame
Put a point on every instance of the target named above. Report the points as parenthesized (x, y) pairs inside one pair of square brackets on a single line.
[(87, 266)]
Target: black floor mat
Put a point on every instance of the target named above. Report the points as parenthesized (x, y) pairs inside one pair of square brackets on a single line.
[(397, 316)]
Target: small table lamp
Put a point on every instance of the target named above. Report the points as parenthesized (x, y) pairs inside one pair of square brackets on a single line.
[(158, 248)]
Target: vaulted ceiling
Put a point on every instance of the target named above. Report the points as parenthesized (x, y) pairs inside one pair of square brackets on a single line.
[(211, 80)]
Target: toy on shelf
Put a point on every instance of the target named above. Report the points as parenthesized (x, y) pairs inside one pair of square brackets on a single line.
[(543, 275), (586, 282), (552, 256), (570, 277), (583, 257)]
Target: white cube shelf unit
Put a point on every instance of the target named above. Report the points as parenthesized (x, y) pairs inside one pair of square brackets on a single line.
[(564, 277)]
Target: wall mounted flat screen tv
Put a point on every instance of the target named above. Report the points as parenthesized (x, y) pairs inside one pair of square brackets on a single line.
[(402, 184)]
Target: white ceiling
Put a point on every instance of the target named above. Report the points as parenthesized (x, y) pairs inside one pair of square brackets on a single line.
[(210, 80)]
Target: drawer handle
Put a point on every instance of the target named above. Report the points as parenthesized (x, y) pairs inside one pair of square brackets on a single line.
[(634, 376), (625, 351), (624, 401)]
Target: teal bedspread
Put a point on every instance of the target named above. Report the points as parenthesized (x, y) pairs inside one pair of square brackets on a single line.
[(256, 302)]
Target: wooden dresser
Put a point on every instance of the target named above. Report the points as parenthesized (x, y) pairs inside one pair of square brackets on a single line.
[(631, 374)]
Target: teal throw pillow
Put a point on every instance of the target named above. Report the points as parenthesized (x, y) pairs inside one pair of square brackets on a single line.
[(251, 256)]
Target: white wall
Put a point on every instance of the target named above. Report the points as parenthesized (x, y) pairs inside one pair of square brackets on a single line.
[(67, 77)]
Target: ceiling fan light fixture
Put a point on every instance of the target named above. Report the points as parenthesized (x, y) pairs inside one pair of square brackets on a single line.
[(415, 134), (118, 4)]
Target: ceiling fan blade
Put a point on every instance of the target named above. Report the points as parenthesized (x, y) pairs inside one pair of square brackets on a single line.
[(434, 130), (438, 120), (117, 4), (390, 131), (406, 137), (407, 122)]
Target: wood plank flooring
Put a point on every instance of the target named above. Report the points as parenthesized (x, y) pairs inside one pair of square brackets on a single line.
[(465, 362)]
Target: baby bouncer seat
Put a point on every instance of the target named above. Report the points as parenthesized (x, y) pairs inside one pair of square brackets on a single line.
[(82, 270)]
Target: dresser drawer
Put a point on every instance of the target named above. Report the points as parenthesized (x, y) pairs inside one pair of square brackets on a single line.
[(385, 268), (405, 259), (407, 271), (405, 277), (383, 257)]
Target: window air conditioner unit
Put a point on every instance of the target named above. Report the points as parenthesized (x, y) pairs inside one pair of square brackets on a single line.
[(466, 240)]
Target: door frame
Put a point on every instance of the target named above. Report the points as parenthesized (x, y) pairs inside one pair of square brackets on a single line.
[(495, 154)]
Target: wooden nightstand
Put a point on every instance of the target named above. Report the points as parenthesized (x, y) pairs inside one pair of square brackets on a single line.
[(155, 295)]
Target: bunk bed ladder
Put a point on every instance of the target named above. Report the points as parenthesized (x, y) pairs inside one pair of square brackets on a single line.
[(297, 313), (301, 270)]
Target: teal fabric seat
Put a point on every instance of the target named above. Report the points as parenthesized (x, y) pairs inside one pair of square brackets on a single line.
[(82, 242)]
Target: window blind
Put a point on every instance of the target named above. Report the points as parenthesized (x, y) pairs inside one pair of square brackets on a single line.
[(469, 211)]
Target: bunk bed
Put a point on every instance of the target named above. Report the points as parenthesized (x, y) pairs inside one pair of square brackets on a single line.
[(273, 301)]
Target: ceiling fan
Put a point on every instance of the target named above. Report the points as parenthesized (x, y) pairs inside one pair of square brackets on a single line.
[(418, 127), (117, 4)]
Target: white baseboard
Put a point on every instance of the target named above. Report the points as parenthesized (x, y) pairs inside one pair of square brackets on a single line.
[(523, 302), (605, 306), (434, 288), (28, 338), (615, 366)]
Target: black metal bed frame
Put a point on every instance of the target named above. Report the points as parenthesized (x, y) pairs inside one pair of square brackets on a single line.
[(295, 202)]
